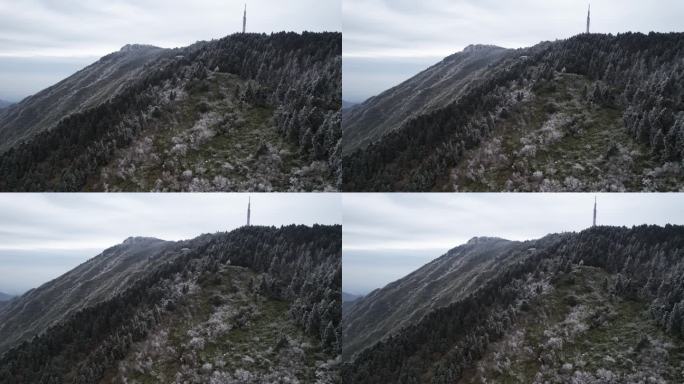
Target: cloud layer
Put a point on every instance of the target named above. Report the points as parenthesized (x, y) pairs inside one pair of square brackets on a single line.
[(387, 236)]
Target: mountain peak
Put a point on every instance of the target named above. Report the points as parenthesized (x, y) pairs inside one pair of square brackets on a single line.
[(137, 47), (480, 47), (484, 239), (140, 240)]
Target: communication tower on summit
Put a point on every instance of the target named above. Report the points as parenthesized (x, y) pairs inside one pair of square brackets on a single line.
[(244, 20), (588, 17), (249, 212)]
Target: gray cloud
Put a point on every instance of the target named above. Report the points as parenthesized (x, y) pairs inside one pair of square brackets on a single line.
[(386, 236), (52, 233), (393, 31), (47, 31)]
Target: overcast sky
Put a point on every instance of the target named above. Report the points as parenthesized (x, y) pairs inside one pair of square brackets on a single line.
[(44, 235), (387, 236), (388, 41), (44, 41)]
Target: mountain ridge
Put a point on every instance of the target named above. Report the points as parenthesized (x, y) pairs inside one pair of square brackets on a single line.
[(595, 98), (430, 89), (97, 279), (560, 286), (244, 112), (410, 297), (198, 281), (85, 89)]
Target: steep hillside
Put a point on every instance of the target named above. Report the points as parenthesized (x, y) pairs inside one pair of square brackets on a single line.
[(579, 331), (432, 89), (87, 88), (593, 112), (249, 306), (441, 282), (97, 280), (246, 112), (600, 306)]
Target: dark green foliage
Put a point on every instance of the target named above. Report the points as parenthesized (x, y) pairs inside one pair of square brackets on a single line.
[(571, 300), (642, 75), (303, 265), (216, 300), (647, 263), (299, 75)]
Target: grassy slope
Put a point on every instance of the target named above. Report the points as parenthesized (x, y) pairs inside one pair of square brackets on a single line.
[(244, 146), (594, 147), (252, 347), (597, 336)]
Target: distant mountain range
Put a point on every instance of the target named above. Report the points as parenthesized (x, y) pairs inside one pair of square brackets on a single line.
[(5, 296), (5, 104), (347, 104), (552, 309), (347, 300), (348, 297), (245, 112), (590, 113), (131, 311)]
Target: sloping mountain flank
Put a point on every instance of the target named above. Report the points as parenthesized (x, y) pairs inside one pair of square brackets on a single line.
[(258, 304), (600, 306), (443, 281), (246, 112), (86, 89), (99, 279), (432, 89), (590, 113)]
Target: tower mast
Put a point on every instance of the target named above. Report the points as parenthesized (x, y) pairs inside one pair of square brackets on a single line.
[(244, 19), (594, 224), (588, 17), (249, 203)]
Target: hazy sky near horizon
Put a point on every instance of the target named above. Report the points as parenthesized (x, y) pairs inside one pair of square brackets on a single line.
[(388, 41), (43, 236), (387, 236), (44, 41)]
